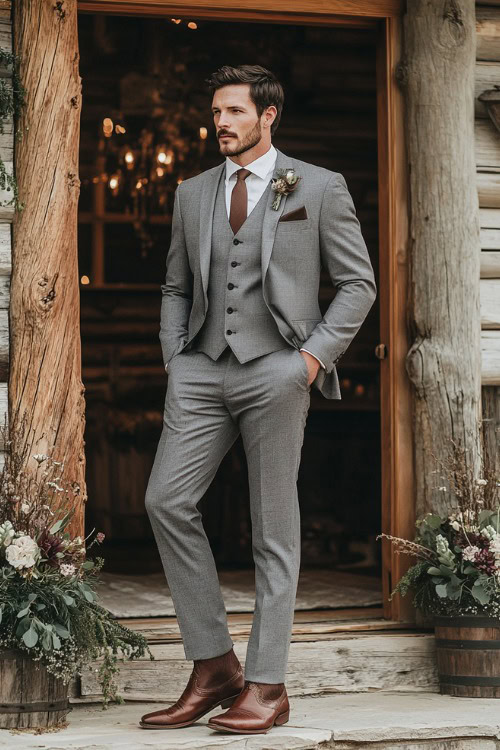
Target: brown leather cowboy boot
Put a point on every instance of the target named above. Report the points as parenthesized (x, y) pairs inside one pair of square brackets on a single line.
[(256, 710), (213, 682)]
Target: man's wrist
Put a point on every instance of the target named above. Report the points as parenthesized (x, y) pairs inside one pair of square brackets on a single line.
[(315, 357)]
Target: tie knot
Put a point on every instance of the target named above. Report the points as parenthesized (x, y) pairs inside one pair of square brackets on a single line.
[(242, 174)]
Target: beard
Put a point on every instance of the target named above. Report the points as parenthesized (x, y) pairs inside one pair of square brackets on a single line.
[(251, 139)]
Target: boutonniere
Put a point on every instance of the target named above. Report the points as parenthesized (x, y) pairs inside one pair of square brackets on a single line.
[(285, 183)]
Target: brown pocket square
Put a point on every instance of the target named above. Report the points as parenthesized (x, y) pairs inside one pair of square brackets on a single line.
[(295, 215)]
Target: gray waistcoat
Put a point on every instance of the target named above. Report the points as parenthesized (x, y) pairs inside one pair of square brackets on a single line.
[(249, 329)]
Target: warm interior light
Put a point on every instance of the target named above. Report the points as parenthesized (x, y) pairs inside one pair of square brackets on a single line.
[(85, 280), (203, 133), (138, 184), (175, 20), (107, 126), (160, 171), (120, 129), (192, 25), (113, 183), (129, 157)]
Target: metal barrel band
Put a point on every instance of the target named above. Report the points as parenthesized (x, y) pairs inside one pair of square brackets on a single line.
[(452, 679), (27, 707), (483, 645)]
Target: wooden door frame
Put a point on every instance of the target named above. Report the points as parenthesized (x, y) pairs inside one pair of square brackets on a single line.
[(398, 497)]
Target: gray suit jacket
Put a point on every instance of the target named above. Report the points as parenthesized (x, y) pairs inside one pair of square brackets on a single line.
[(293, 253)]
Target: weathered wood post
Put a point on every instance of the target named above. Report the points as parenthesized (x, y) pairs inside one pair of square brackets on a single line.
[(45, 359), (444, 360)]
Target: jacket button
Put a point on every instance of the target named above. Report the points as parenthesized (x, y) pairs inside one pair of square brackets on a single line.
[(229, 310), (229, 331), (237, 242), (233, 263), (230, 286)]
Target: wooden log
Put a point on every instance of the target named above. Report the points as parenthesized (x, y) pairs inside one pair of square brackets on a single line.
[(490, 303), (487, 75), (45, 379), (444, 241), (488, 32), (490, 357), (490, 265), (489, 218), (29, 695), (487, 145), (488, 188), (490, 239)]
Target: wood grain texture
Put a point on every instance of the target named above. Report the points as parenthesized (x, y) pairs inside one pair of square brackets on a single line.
[(490, 358), (490, 265), (444, 306), (23, 682), (487, 145), (488, 188), (488, 32), (251, 10), (356, 663), (490, 307), (487, 75), (45, 381)]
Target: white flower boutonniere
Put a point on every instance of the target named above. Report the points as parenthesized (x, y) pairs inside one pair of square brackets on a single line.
[(285, 183)]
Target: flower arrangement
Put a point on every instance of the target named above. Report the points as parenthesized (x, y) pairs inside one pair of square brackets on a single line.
[(458, 550), (48, 599), (284, 183)]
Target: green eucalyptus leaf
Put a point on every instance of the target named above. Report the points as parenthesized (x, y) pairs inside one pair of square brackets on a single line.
[(441, 590), (88, 565), (30, 637), (55, 641), (69, 600), (56, 526), (480, 593), (61, 630), (433, 521), (434, 571)]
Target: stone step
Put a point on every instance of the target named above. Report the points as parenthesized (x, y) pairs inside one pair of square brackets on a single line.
[(357, 721), (329, 663)]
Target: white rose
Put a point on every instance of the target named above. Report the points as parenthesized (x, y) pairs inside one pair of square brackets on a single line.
[(22, 553)]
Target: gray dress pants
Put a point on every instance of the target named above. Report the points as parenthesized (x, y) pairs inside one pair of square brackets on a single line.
[(207, 404)]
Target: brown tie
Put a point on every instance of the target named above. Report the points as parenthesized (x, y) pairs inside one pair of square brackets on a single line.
[(239, 201)]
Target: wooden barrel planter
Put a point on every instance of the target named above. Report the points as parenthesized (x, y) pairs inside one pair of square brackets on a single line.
[(29, 695), (468, 655)]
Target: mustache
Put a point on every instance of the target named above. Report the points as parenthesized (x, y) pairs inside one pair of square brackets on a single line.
[(225, 132)]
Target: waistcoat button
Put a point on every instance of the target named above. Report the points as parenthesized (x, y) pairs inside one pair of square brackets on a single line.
[(229, 310), (229, 332), (230, 286), (236, 242), (233, 263)]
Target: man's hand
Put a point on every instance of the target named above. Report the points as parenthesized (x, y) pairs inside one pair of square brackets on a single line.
[(312, 366)]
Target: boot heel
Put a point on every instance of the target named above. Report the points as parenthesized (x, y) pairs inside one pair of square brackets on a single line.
[(227, 702), (282, 718)]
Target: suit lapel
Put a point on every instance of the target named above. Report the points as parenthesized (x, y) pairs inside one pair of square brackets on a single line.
[(207, 204), (271, 217)]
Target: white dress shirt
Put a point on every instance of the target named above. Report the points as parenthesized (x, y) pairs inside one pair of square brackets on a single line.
[(261, 172)]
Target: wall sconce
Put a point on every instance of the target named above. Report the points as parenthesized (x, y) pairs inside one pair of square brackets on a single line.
[(491, 99)]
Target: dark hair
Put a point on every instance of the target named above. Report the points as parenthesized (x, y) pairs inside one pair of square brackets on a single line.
[(265, 89)]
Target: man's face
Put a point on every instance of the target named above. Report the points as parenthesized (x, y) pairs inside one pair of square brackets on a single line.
[(237, 125)]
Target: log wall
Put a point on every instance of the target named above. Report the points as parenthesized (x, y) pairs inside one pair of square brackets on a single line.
[(6, 218), (487, 144)]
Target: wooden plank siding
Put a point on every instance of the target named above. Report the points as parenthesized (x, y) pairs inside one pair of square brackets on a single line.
[(488, 184), (6, 216)]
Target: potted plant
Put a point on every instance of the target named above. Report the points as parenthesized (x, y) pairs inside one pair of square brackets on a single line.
[(51, 624), (455, 580)]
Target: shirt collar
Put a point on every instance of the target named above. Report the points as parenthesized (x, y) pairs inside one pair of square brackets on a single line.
[(260, 167)]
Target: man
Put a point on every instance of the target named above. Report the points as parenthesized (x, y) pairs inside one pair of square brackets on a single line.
[(243, 340)]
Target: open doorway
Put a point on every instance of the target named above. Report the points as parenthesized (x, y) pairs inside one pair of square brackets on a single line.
[(146, 125)]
